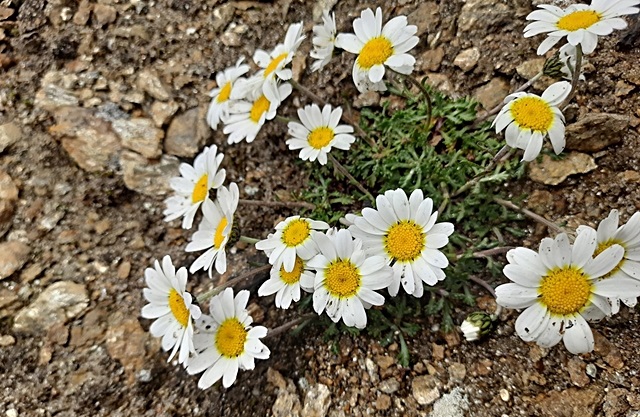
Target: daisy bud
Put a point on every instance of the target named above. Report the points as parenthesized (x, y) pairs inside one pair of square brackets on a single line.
[(476, 325), (553, 67)]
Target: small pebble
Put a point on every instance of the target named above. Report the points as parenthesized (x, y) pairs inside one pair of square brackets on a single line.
[(591, 370), (504, 394)]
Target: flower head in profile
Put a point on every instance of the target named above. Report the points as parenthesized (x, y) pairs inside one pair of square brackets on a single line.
[(193, 186), (319, 132), (378, 47), (404, 231), (247, 116), (560, 289), (215, 230), (476, 325), (529, 118), (627, 236), (324, 41), (224, 92), (172, 306), (274, 64), (346, 278), (293, 236), (581, 24), (286, 285), (226, 342)]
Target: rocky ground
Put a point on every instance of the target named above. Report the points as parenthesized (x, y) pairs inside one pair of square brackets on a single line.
[(98, 104)]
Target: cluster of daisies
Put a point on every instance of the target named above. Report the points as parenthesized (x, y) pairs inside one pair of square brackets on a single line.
[(396, 244), (529, 118), (243, 104)]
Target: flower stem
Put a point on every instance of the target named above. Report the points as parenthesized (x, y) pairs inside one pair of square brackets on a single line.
[(576, 77), (484, 284), (427, 97), (288, 204), (283, 328), (202, 298), (345, 118), (530, 214), (502, 155), (339, 167), (520, 89), (249, 240), (283, 119)]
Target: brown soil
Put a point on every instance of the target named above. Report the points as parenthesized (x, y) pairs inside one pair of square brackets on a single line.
[(89, 228)]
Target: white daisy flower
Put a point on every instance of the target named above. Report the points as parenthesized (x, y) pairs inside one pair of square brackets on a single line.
[(220, 96), (273, 64), (214, 230), (346, 278), (581, 24), (319, 132), (627, 236), (286, 285), (293, 236), (226, 342), (405, 233), (324, 41), (528, 118), (193, 186), (559, 288), (377, 47), (348, 219), (171, 305), (247, 116)]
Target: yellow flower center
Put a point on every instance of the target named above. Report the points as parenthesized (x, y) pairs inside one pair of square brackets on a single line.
[(342, 279), (565, 291), (320, 137), (532, 113), (225, 93), (404, 241), (293, 276), (230, 338), (375, 52), (296, 232), (178, 308), (219, 236), (580, 19), (260, 106), (274, 64), (200, 190), (603, 247)]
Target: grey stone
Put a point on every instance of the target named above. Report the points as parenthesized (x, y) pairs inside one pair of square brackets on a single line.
[(492, 93), (140, 135), (483, 15), (596, 131), (187, 133), (553, 172), (51, 97), (104, 14), (425, 17), (14, 255), (425, 389), (149, 82), (467, 59), (147, 176), (389, 386), (10, 133), (59, 303), (87, 138), (453, 404), (161, 112), (317, 401), (431, 59)]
